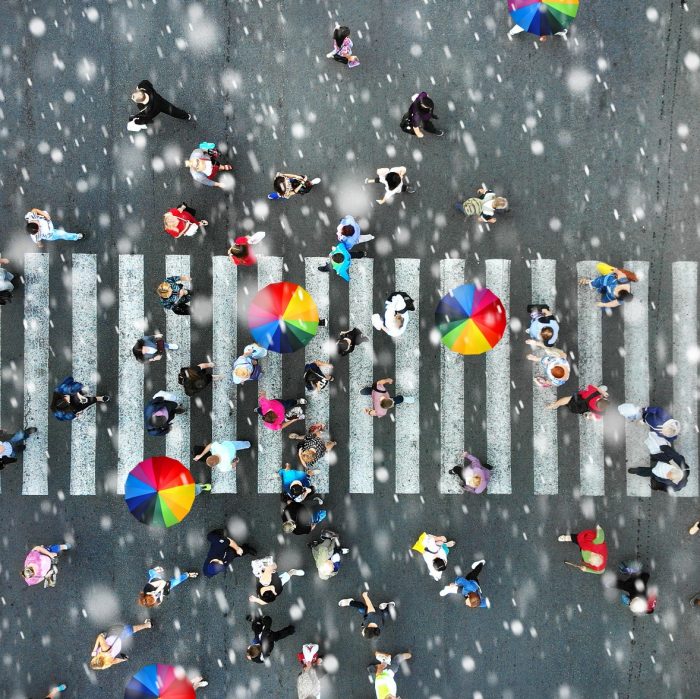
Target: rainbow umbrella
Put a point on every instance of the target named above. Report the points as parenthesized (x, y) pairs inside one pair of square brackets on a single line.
[(470, 320), (283, 317), (159, 491), (163, 681), (543, 17)]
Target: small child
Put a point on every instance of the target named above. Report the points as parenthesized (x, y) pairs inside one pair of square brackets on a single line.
[(342, 48), (240, 252)]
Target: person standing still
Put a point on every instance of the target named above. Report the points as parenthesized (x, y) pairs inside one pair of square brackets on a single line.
[(419, 116)]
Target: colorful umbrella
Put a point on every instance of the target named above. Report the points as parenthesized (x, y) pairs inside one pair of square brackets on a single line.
[(163, 681), (543, 17), (470, 320), (283, 317), (159, 491)]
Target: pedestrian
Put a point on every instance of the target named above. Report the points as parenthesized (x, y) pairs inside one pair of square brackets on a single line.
[(223, 550), (302, 517), (613, 284), (342, 48), (636, 593), (247, 367), (183, 221), (473, 476), (40, 565), (384, 671), (348, 340), (340, 258), (223, 456), (317, 375), (151, 348), (594, 549), (264, 638), (40, 227), (657, 419), (419, 116), (327, 553), (589, 402), (269, 582), (349, 233), (151, 104), (552, 363), (70, 398), (194, 379), (486, 206), (394, 180), (158, 587), (396, 310), (13, 444), (160, 411), (205, 164), (669, 473), (286, 185), (308, 681), (469, 587), (434, 550), (544, 327), (175, 293), (373, 620), (296, 484), (279, 413), (6, 286), (382, 402), (312, 446), (241, 251), (107, 650)]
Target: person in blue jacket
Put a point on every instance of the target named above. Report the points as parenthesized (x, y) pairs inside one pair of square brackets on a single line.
[(70, 399), (469, 587), (349, 233), (296, 485), (159, 413), (340, 258)]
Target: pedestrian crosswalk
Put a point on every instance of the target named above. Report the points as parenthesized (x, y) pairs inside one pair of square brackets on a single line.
[(415, 449)]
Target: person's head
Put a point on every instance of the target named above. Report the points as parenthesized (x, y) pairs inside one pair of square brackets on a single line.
[(338, 258), (307, 455), (386, 403), (474, 481), (326, 568), (500, 203), (169, 221), (371, 631), (296, 489), (558, 372), (624, 295), (32, 227), (270, 416), (242, 373), (472, 600), (158, 421), (101, 661), (344, 345), (253, 652), (28, 572), (268, 596), (347, 231), (340, 34), (164, 290), (439, 564), (671, 428), (139, 96), (213, 460), (628, 273), (393, 179), (546, 334), (426, 105), (61, 403), (399, 320), (196, 164), (146, 600), (638, 605), (288, 526), (238, 250), (279, 185)]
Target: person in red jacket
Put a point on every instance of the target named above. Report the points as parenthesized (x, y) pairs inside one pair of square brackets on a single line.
[(594, 549), (182, 221), (241, 253)]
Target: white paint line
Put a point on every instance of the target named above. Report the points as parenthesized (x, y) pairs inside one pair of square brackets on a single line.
[(545, 449), (361, 446), (636, 328), (685, 381), (318, 407), (407, 348), (35, 478), (177, 330), (224, 339), (269, 442), (84, 429), (130, 400), (498, 409), (451, 391), (590, 366)]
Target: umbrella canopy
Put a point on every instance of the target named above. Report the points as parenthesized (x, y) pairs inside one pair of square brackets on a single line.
[(283, 317), (163, 681), (159, 491), (543, 17), (470, 320)]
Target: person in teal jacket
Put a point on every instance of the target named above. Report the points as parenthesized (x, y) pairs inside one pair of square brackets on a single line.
[(340, 258)]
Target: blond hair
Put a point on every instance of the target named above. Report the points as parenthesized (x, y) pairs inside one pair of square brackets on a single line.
[(164, 290), (101, 661), (500, 203)]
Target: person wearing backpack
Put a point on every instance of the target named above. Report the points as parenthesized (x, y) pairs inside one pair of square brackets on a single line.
[(159, 413), (70, 399), (614, 285), (194, 379), (486, 206), (589, 402), (419, 117)]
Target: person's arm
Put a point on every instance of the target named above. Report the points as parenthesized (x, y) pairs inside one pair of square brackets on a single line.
[(368, 603), (603, 393), (257, 600), (608, 304), (287, 423), (43, 214), (417, 132), (381, 382), (370, 411), (206, 450), (45, 552), (558, 403), (233, 545)]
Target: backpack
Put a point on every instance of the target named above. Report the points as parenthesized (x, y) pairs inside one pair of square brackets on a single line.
[(474, 206)]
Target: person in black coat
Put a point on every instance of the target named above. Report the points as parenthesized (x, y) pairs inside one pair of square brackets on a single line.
[(669, 473), (151, 104), (223, 550), (159, 413), (265, 638), (302, 517)]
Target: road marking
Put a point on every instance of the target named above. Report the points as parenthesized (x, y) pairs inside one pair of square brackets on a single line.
[(177, 330), (685, 380), (269, 441), (361, 446), (636, 328), (545, 449), (451, 391), (407, 416), (224, 340), (318, 407), (131, 371), (498, 410), (590, 366), (84, 429), (35, 478)]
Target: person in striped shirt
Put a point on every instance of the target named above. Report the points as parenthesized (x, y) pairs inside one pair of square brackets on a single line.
[(40, 227)]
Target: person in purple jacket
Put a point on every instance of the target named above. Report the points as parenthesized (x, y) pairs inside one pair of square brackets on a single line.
[(419, 117), (473, 476), (469, 587)]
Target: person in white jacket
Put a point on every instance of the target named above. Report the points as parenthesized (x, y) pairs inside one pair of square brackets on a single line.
[(435, 553), (395, 318)]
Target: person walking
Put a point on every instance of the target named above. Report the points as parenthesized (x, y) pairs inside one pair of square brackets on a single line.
[(657, 419), (553, 364), (264, 638), (327, 552), (151, 348), (40, 227), (434, 550), (269, 583), (107, 650), (636, 593), (394, 180), (382, 402), (302, 518), (613, 284), (151, 104), (589, 402), (70, 399), (223, 550), (312, 446), (287, 185), (183, 222), (348, 340), (384, 673), (340, 258), (40, 565), (517, 29), (469, 587), (279, 413), (544, 327), (373, 619), (11, 445), (473, 476), (593, 548), (670, 470), (317, 375), (7, 288), (342, 48), (419, 116), (396, 314), (160, 411), (158, 587), (308, 681), (223, 456), (205, 165), (296, 484), (247, 367), (196, 378), (486, 206), (240, 252), (175, 293), (349, 233)]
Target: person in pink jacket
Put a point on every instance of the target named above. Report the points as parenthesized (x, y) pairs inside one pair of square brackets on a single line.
[(277, 413), (473, 476)]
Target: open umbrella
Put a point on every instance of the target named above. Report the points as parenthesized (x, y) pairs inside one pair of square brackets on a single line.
[(159, 491), (543, 17), (283, 317), (470, 320), (162, 681)]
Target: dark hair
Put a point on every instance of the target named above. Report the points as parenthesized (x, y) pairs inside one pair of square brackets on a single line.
[(158, 420), (253, 652), (340, 34), (296, 489), (342, 349), (393, 180), (278, 184), (439, 563), (268, 596), (426, 105), (269, 416), (338, 258), (347, 231), (32, 227), (371, 631), (547, 333), (60, 402), (624, 295), (136, 349), (238, 250)]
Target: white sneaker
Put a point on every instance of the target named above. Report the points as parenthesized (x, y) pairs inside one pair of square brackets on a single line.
[(384, 605), (80, 236), (316, 180), (345, 602), (299, 573), (477, 563), (345, 551), (444, 592), (564, 537), (173, 346)]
